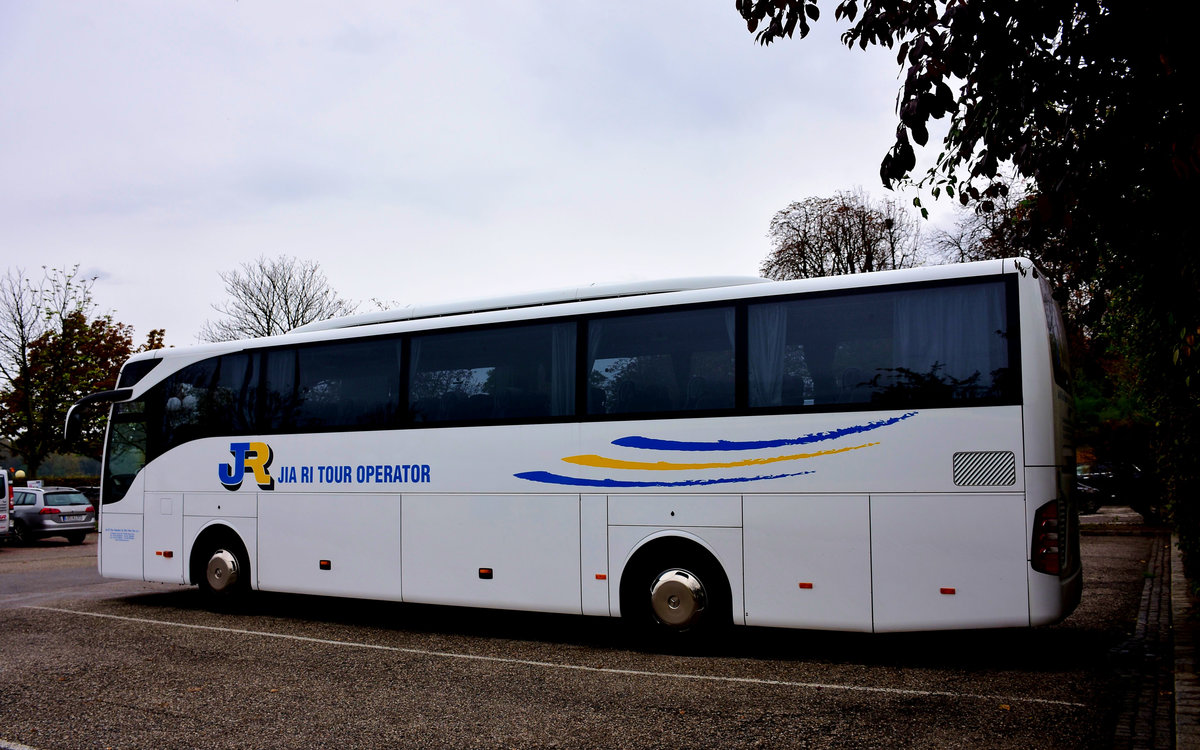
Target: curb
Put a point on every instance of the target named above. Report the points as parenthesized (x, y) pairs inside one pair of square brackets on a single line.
[(1143, 662), (1187, 686)]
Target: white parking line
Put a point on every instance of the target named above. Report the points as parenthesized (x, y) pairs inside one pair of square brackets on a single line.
[(578, 667)]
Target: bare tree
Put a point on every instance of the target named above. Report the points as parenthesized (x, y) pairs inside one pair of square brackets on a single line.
[(20, 322), (986, 230), (848, 233), (268, 297), (27, 311)]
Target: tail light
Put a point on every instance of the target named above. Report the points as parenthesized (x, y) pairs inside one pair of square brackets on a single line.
[(90, 509), (48, 511), (1046, 556)]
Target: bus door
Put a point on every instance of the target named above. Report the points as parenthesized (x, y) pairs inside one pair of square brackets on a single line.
[(162, 550)]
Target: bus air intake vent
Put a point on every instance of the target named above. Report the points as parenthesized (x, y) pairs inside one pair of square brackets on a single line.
[(985, 469)]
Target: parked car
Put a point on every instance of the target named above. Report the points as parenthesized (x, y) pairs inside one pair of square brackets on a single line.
[(1087, 498), (40, 512), (5, 504)]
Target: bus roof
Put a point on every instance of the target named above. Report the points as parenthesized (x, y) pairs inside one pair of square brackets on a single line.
[(529, 299), (591, 297)]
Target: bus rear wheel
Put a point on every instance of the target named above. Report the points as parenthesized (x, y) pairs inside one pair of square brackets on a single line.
[(678, 598), (676, 593)]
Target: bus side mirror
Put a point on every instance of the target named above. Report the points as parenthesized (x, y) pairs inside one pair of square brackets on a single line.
[(74, 425), (73, 428)]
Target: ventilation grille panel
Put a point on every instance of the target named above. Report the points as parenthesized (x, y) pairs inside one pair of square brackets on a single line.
[(985, 469)]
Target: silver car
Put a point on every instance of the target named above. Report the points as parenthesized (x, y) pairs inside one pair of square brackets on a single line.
[(39, 512)]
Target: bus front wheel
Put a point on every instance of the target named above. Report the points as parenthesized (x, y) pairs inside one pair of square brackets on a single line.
[(222, 572), (221, 567)]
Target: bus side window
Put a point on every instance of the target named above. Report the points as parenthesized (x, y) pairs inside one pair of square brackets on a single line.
[(187, 411), (348, 384), (925, 346), (277, 397), (651, 363), (497, 374)]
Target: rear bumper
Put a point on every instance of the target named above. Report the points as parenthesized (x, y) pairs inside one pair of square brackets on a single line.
[(44, 527), (1072, 590)]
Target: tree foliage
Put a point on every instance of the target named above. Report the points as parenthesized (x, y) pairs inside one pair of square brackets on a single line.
[(52, 352), (847, 233), (1098, 105), (64, 365), (268, 297), (1062, 90)]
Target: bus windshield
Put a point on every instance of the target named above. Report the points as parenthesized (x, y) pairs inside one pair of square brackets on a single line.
[(125, 453)]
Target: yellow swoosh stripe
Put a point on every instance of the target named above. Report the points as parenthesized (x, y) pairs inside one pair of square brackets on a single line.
[(600, 462)]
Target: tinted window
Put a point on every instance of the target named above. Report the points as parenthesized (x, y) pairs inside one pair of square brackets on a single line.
[(125, 454), (133, 372), (928, 346), (212, 397), (185, 399), (348, 384), (523, 372), (343, 384), (62, 499), (1058, 336), (277, 396), (661, 362)]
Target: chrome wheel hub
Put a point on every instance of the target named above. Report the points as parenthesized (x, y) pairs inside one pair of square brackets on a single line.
[(677, 598), (222, 571)]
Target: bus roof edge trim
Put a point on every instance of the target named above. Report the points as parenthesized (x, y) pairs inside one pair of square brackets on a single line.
[(530, 299)]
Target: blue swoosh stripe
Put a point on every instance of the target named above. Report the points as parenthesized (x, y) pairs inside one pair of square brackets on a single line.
[(645, 443), (549, 478)]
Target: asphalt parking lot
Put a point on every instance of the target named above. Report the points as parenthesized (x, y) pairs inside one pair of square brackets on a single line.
[(86, 662)]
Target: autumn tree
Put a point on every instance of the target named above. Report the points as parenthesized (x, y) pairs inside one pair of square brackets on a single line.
[(52, 352), (64, 365), (1098, 106), (847, 233), (268, 297)]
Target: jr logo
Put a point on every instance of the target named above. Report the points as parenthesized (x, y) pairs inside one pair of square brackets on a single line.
[(253, 456)]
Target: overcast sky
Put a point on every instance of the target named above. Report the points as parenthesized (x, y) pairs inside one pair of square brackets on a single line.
[(420, 152)]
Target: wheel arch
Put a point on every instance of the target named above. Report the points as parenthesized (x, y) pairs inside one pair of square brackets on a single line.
[(210, 535), (675, 543)]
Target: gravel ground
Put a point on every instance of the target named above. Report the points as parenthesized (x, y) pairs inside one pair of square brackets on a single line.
[(87, 663)]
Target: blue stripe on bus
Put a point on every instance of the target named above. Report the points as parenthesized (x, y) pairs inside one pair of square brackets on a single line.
[(645, 443), (549, 478)]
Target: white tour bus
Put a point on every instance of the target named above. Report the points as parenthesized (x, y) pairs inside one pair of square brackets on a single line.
[(877, 452)]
